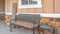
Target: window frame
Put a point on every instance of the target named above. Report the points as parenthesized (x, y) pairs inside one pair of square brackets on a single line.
[(39, 5)]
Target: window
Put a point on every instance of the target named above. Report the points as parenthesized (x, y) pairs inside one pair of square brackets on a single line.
[(29, 4)]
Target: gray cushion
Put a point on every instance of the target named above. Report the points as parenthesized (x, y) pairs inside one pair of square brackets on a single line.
[(33, 18), (57, 19), (47, 27)]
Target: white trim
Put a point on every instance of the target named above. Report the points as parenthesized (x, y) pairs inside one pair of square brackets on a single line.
[(39, 5), (9, 13), (5, 5), (42, 15), (2, 12), (51, 15)]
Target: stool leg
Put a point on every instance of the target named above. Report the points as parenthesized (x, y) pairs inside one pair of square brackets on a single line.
[(43, 31), (53, 31), (56, 31)]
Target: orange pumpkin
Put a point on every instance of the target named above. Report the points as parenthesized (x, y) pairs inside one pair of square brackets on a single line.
[(43, 20), (7, 18)]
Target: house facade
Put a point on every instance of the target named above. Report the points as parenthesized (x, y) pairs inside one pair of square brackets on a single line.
[(48, 6)]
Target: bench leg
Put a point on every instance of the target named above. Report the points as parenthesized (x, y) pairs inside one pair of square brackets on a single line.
[(33, 30), (10, 27), (39, 29)]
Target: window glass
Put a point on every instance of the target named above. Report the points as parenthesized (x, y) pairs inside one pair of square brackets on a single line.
[(32, 1), (24, 2)]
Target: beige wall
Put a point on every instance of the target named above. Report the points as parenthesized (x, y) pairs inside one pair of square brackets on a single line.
[(48, 7)]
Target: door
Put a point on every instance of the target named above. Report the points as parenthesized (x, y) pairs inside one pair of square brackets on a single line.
[(2, 5)]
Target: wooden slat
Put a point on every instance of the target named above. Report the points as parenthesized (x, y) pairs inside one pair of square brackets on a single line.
[(25, 24)]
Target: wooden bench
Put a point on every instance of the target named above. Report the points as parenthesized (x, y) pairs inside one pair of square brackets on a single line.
[(29, 21)]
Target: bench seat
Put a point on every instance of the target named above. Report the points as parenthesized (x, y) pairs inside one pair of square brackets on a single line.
[(25, 24)]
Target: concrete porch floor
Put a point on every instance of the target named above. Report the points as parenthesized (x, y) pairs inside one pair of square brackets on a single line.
[(4, 29)]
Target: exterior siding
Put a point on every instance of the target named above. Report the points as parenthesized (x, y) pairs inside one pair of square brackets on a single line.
[(57, 6), (2, 5), (48, 7)]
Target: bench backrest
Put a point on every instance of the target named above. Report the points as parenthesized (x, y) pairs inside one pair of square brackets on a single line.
[(33, 18)]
